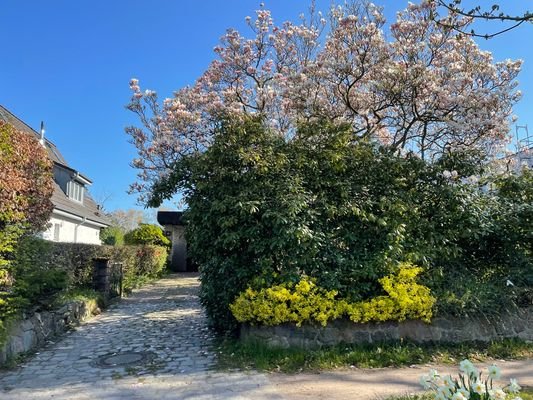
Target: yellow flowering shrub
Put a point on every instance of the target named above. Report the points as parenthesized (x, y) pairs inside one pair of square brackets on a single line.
[(406, 299), (306, 302), (287, 303)]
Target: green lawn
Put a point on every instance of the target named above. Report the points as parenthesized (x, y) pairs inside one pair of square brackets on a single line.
[(234, 354)]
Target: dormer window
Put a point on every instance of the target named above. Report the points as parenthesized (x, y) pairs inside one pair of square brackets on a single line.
[(75, 191)]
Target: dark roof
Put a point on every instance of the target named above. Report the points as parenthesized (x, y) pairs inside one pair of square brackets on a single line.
[(170, 218), (20, 125), (88, 209), (73, 170)]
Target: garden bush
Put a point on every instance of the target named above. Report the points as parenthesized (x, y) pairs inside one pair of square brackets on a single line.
[(112, 235), (147, 234), (38, 289), (26, 186), (305, 302), (140, 263), (347, 213)]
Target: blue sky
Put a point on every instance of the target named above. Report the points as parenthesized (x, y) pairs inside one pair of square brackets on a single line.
[(69, 63)]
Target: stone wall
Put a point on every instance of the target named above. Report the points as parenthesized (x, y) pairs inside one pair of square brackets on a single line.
[(518, 324), (34, 331)]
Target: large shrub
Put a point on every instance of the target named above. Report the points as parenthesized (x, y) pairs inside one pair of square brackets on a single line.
[(248, 215), (147, 234), (26, 186), (264, 211)]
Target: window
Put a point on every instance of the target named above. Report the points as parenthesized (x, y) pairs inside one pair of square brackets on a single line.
[(56, 232), (75, 191)]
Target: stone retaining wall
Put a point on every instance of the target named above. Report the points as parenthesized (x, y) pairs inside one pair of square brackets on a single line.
[(513, 325), (34, 331)]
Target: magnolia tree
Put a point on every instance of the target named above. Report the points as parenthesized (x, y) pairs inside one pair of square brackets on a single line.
[(490, 12), (423, 87)]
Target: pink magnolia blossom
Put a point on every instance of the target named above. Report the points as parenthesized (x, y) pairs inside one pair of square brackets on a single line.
[(426, 89)]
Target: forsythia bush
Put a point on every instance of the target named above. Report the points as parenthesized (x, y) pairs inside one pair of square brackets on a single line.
[(306, 302)]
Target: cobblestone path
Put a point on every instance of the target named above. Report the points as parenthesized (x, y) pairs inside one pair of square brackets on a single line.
[(163, 322)]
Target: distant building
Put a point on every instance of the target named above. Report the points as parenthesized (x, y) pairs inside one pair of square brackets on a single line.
[(523, 158), (76, 217)]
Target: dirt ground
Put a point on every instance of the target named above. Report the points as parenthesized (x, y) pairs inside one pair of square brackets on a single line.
[(378, 383)]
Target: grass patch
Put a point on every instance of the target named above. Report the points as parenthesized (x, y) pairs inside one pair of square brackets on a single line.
[(525, 394), (234, 354), (87, 296)]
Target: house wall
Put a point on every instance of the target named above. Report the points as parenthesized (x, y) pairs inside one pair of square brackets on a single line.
[(71, 231), (178, 252)]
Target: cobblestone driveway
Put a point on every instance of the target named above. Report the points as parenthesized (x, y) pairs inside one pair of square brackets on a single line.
[(163, 320)]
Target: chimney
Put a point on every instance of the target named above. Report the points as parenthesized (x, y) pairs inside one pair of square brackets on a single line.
[(41, 140)]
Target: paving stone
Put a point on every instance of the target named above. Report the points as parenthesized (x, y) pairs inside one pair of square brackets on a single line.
[(165, 318)]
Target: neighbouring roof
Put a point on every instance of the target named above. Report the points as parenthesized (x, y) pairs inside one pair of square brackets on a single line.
[(170, 218), (88, 208), (74, 171), (20, 125)]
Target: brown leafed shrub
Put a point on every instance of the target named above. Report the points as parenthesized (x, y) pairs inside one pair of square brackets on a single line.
[(26, 186), (26, 183)]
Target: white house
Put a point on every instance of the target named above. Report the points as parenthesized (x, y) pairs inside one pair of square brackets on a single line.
[(76, 217)]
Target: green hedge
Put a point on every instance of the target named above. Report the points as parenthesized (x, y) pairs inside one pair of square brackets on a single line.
[(147, 234), (44, 270), (75, 259)]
